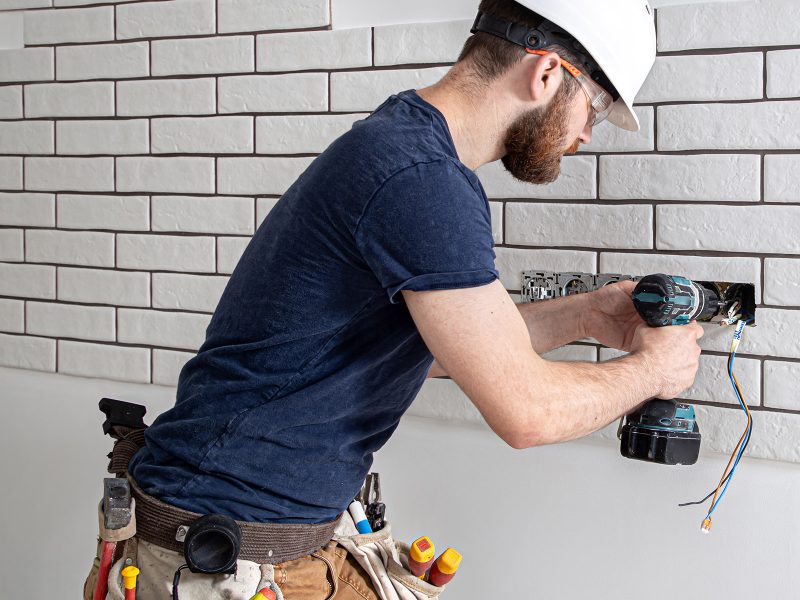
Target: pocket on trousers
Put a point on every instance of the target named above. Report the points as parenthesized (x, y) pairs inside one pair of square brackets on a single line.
[(307, 578)]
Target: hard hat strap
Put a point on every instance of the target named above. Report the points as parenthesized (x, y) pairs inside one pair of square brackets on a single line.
[(537, 38)]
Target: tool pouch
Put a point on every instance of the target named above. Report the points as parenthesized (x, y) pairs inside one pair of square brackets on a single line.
[(385, 561)]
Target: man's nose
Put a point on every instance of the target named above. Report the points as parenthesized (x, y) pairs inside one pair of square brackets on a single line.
[(586, 135)]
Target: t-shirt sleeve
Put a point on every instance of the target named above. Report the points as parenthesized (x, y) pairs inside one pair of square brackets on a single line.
[(427, 228)]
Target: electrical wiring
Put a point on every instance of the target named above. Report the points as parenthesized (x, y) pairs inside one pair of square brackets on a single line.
[(722, 487)]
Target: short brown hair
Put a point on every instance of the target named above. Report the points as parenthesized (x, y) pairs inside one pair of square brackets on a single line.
[(490, 56)]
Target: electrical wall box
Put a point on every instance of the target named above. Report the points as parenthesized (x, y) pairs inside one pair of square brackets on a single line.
[(738, 298)]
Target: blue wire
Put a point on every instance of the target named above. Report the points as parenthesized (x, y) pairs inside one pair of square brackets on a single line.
[(746, 438)]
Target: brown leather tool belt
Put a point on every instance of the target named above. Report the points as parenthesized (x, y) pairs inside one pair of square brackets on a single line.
[(160, 523)]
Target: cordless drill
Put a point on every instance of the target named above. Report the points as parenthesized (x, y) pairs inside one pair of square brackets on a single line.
[(666, 431)]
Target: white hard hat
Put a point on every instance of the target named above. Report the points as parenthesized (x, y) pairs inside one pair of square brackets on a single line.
[(619, 35)]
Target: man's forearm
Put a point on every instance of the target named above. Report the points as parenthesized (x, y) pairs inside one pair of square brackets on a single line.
[(556, 322), (550, 324), (585, 397)]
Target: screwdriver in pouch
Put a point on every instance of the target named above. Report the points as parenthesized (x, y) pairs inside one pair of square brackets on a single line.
[(445, 567), (420, 555)]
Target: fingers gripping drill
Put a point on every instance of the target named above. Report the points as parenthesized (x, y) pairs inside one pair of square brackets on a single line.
[(666, 431)]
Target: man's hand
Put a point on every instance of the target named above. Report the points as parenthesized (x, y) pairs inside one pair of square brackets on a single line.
[(611, 318)]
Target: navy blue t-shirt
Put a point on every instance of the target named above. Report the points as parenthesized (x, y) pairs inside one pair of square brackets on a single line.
[(312, 357)]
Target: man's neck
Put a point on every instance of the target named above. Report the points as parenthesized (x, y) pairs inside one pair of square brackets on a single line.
[(477, 122)]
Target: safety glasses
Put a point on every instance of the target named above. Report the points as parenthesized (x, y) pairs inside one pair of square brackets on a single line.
[(600, 101)]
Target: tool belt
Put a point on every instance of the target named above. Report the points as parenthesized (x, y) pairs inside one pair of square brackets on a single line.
[(164, 525)]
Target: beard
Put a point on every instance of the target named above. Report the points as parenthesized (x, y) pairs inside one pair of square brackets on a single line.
[(535, 141)]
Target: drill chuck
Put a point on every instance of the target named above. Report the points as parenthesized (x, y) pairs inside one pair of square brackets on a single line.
[(663, 300)]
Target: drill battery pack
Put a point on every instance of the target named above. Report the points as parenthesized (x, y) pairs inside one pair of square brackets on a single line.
[(661, 431)]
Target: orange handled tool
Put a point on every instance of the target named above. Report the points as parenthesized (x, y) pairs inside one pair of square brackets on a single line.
[(445, 567), (265, 594), (420, 556), (129, 575)]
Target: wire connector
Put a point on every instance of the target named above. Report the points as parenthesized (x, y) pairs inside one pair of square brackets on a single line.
[(706, 526)]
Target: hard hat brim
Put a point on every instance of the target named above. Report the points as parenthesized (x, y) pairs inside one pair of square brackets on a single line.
[(623, 116)]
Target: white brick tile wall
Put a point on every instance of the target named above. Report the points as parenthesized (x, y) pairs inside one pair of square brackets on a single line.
[(11, 4), (166, 329), (577, 181), (187, 292), (609, 138), (304, 92), (263, 208), (12, 316), (259, 175), (783, 74), (307, 50), (103, 61), (99, 286), (163, 19), (223, 215), (27, 64), (10, 173), (119, 213), (26, 137), (28, 281), (81, 2), (752, 126), (366, 90), (728, 25), (782, 178), (782, 281), (104, 361), (261, 89), (166, 97), (740, 269), (511, 262), (777, 334), (11, 245), (34, 210), (496, 209), (713, 177), (756, 229), (71, 321), (780, 384), (712, 383), (93, 99), (256, 15), (420, 42), (231, 54), (103, 137), (26, 352), (11, 102), (91, 249), (167, 365), (711, 77), (69, 174), (71, 25), (585, 225), (301, 134), (212, 135), (166, 253), (183, 175), (229, 251), (572, 353)]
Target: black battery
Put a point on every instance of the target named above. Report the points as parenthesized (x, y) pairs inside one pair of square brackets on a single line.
[(661, 431)]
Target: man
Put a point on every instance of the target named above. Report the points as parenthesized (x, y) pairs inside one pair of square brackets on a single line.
[(376, 270)]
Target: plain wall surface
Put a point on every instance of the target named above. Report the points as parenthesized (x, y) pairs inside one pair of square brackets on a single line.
[(361, 13), (567, 522)]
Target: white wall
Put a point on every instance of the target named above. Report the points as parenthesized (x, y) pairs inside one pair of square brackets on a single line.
[(571, 522), (367, 13)]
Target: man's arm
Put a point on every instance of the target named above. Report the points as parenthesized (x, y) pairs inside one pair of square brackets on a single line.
[(550, 325), (481, 340)]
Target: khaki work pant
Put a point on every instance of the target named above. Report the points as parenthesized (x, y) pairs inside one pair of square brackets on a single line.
[(330, 573)]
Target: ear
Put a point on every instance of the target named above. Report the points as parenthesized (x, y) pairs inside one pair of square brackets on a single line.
[(545, 74)]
